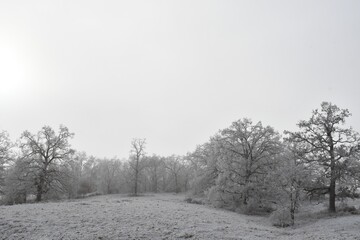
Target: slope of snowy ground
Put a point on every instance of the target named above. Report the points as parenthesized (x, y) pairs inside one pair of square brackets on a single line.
[(162, 216)]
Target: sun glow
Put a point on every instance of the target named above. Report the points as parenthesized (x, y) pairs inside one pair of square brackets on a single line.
[(11, 73)]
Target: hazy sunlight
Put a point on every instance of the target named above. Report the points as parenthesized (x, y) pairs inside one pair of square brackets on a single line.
[(11, 73)]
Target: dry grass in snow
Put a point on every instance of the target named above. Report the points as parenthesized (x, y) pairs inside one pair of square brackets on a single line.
[(163, 216)]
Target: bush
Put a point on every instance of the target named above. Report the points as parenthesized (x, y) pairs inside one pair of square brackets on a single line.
[(85, 188), (254, 207), (194, 200), (92, 194), (281, 218), (215, 198), (251, 208), (14, 197), (349, 209), (343, 208)]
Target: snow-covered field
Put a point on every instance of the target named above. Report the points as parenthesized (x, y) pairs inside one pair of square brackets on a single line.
[(163, 216)]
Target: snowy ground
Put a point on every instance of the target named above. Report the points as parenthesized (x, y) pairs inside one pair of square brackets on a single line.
[(163, 216)]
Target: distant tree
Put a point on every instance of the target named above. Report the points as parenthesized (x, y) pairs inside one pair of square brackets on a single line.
[(204, 162), (155, 166), (323, 143), (18, 183), (287, 181), (187, 174), (74, 173), (110, 170), (43, 153), (136, 160), (175, 166), (5, 146), (89, 175)]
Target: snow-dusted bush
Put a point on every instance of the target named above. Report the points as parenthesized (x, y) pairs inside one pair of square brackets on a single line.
[(199, 184), (281, 218), (194, 200), (345, 208), (255, 207), (215, 197), (350, 209)]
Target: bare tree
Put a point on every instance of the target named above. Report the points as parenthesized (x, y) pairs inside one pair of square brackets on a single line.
[(89, 175), (137, 154), (175, 166), (109, 174), (155, 165), (74, 172), (323, 143), (43, 153)]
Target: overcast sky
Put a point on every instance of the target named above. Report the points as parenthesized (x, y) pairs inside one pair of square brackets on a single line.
[(173, 72)]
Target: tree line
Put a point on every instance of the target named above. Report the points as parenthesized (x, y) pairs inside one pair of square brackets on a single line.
[(246, 166), (43, 166)]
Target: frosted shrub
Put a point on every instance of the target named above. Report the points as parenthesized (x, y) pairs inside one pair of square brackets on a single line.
[(198, 185), (251, 208), (214, 197), (281, 218), (194, 200), (345, 208)]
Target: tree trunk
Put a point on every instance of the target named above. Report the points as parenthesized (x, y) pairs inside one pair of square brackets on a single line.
[(332, 194), (155, 180), (293, 202), (136, 183), (40, 188), (292, 213), (176, 185), (246, 191), (163, 184), (108, 189), (332, 187)]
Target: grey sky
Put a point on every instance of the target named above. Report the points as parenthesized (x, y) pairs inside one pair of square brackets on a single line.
[(173, 72)]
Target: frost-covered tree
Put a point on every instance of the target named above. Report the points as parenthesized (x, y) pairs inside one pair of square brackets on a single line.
[(175, 166), (109, 175), (74, 174), (286, 182), (204, 162), (323, 142), (43, 154), (18, 183), (89, 175), (136, 161), (154, 170), (247, 153), (5, 146)]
